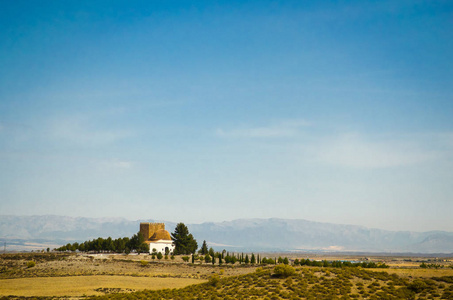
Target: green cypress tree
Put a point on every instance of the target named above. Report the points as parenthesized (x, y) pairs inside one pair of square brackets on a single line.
[(204, 248), (253, 259)]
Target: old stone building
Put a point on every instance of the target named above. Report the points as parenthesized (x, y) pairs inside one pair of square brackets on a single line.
[(157, 237)]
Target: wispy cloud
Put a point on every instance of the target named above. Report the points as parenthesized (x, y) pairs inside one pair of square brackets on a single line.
[(350, 149), (358, 151), (281, 129), (117, 164), (82, 130)]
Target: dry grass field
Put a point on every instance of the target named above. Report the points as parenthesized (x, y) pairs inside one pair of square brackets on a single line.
[(88, 285), (81, 276)]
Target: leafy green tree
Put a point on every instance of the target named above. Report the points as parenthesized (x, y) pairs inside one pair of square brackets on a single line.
[(136, 241), (207, 258), (108, 244), (144, 248), (211, 252), (183, 240)]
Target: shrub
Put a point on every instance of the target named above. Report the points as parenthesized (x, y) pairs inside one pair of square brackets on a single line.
[(31, 264), (143, 263), (284, 271), (214, 280), (417, 286), (185, 258)]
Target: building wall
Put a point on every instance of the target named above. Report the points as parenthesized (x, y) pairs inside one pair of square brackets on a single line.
[(160, 246), (148, 229)]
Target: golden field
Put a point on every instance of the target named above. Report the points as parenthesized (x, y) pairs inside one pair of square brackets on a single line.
[(87, 285)]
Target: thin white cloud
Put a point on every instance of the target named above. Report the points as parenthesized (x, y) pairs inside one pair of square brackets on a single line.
[(81, 130), (358, 151), (285, 128), (351, 150), (117, 164)]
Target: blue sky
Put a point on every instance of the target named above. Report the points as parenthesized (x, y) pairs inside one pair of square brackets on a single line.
[(332, 111)]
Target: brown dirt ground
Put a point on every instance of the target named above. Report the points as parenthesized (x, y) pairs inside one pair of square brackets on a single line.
[(112, 264)]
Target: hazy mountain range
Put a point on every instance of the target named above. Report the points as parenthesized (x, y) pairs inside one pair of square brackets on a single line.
[(243, 234)]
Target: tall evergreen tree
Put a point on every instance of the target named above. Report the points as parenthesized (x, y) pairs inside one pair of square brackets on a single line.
[(183, 240), (204, 248), (253, 259)]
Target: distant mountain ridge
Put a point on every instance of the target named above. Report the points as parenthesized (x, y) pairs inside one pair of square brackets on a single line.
[(243, 234)]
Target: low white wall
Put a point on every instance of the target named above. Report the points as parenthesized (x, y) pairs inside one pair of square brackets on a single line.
[(160, 246)]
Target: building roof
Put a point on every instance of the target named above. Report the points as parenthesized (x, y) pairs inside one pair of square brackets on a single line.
[(160, 234)]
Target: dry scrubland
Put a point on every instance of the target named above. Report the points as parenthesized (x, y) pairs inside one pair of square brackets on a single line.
[(78, 276)]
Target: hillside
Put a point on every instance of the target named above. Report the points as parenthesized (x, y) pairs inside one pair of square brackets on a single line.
[(243, 234)]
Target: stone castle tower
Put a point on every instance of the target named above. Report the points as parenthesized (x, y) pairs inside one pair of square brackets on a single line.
[(154, 232)]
